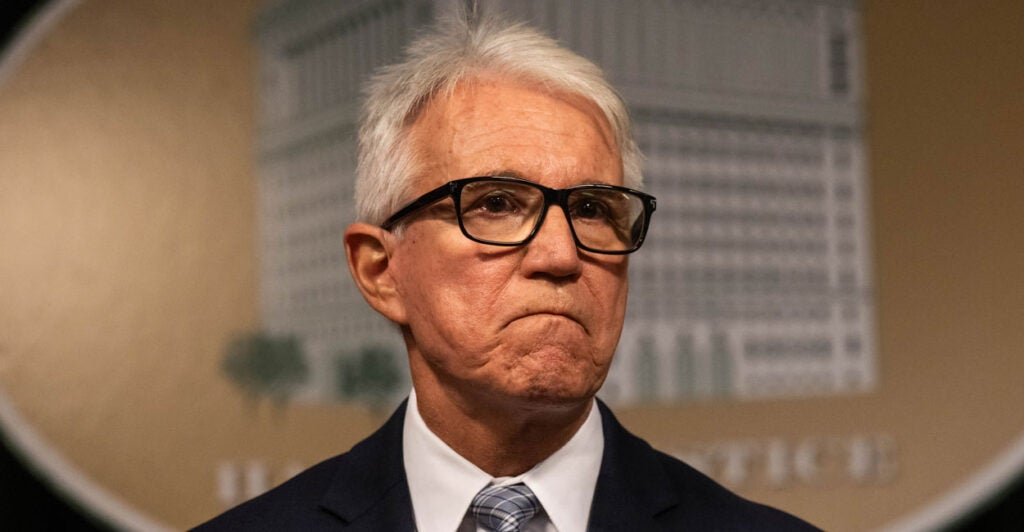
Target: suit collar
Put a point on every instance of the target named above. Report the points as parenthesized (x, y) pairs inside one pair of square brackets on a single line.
[(369, 490), (632, 487)]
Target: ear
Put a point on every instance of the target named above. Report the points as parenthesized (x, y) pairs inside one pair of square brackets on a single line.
[(369, 254)]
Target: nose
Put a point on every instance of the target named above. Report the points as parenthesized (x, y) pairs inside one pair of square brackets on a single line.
[(552, 252)]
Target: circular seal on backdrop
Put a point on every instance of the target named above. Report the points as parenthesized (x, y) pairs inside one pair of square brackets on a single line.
[(178, 331)]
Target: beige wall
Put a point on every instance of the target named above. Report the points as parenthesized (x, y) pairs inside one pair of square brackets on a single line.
[(127, 205)]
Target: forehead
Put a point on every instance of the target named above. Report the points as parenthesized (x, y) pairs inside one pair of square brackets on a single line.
[(487, 126)]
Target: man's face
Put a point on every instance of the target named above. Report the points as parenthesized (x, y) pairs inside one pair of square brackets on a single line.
[(535, 324)]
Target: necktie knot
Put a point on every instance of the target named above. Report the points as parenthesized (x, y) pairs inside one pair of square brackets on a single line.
[(504, 508)]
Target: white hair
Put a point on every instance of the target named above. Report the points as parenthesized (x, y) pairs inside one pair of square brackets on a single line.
[(452, 51)]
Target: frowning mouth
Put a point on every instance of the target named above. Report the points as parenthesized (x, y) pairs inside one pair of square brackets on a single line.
[(549, 314)]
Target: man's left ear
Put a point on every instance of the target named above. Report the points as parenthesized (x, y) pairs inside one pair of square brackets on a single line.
[(366, 247)]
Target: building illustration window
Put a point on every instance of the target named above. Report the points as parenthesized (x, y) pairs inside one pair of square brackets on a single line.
[(754, 281)]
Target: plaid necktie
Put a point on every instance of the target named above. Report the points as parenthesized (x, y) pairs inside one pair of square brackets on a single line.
[(504, 508)]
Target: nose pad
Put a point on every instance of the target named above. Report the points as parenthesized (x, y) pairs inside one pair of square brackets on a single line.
[(556, 220), (553, 251)]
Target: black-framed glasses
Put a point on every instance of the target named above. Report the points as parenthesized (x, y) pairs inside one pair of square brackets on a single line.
[(507, 211)]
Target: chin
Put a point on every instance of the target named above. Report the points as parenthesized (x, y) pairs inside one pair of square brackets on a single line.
[(557, 394)]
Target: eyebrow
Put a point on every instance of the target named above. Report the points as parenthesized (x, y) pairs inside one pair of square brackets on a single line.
[(507, 172)]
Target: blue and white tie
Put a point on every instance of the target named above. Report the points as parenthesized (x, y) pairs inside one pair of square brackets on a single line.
[(504, 508)]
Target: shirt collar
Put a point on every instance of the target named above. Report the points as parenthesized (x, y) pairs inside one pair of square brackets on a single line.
[(564, 482)]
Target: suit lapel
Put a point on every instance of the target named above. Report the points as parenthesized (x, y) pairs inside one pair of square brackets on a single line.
[(632, 486), (369, 490)]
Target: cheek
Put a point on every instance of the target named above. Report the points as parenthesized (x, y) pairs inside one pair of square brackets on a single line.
[(608, 290), (452, 298), (608, 295), (468, 295)]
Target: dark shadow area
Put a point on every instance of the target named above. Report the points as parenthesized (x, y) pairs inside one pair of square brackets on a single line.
[(28, 503), (1004, 512), (16, 13)]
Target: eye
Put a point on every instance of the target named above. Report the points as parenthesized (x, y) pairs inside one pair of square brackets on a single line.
[(497, 203), (499, 200), (590, 209)]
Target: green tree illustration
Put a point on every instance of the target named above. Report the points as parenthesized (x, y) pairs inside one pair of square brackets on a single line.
[(370, 375), (266, 366)]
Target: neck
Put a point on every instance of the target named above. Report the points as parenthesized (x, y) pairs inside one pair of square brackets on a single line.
[(501, 437)]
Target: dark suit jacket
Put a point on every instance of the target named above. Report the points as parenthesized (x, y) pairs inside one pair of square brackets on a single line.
[(638, 489)]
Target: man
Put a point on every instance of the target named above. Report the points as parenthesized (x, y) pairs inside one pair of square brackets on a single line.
[(498, 196)]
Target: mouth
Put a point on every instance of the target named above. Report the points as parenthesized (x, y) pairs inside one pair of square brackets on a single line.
[(550, 314)]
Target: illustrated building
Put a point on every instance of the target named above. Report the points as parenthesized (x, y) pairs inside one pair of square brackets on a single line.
[(755, 278)]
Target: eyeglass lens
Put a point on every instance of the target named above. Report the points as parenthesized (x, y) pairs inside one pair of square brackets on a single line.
[(507, 212)]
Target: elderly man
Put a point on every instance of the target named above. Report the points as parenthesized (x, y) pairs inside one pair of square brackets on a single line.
[(498, 192)]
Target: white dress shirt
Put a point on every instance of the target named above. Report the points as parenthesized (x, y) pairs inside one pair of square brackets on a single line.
[(442, 483)]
